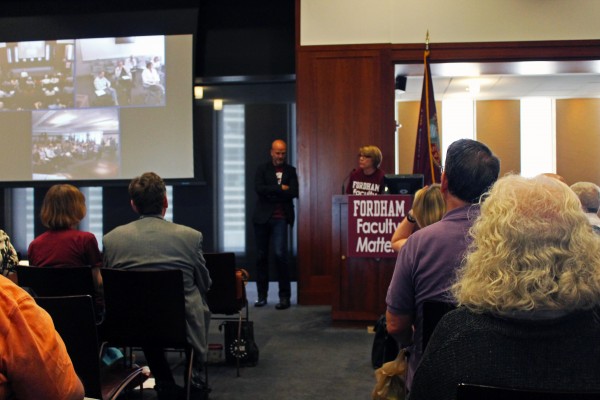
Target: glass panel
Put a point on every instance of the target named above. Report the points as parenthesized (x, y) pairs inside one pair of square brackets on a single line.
[(169, 212), (93, 219), (538, 136), (458, 122), (22, 219), (231, 192)]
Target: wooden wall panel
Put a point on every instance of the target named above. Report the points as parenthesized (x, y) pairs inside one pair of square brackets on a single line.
[(408, 118), (578, 140), (499, 127), (340, 108), (408, 115)]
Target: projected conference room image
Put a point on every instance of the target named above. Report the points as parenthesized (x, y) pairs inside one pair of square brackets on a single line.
[(75, 144), (36, 75), (120, 71), (62, 125)]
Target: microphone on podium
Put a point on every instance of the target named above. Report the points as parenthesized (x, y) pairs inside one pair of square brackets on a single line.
[(346, 180)]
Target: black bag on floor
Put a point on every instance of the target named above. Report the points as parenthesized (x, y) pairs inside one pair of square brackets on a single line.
[(385, 347), (244, 349)]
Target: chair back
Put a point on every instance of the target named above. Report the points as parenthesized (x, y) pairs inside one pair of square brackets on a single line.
[(74, 320), (144, 308), (56, 281), (433, 311), (223, 296), (466, 391)]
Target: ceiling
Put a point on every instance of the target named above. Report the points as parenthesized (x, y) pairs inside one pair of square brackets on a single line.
[(501, 81), (78, 120)]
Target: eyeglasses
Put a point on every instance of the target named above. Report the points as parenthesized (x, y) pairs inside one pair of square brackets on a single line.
[(364, 156)]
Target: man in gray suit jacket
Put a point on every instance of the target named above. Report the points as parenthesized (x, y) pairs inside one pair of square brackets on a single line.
[(152, 242)]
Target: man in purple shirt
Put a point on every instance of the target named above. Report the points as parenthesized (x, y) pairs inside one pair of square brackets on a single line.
[(427, 263)]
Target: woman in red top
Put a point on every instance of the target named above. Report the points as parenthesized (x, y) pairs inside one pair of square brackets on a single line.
[(368, 179), (62, 245)]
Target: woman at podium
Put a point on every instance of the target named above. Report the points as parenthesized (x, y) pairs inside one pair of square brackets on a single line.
[(368, 179)]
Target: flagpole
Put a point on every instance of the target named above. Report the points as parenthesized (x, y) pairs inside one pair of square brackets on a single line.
[(427, 123)]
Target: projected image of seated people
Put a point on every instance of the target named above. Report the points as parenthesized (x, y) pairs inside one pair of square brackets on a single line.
[(123, 82), (120, 71), (78, 108), (152, 83), (75, 144), (36, 75), (103, 89)]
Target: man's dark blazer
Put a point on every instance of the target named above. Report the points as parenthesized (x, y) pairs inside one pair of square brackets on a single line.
[(270, 193)]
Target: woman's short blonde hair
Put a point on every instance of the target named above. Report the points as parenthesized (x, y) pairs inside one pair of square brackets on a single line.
[(532, 249), (63, 207), (428, 205), (373, 152)]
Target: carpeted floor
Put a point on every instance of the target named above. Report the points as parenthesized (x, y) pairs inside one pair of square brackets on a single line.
[(303, 355)]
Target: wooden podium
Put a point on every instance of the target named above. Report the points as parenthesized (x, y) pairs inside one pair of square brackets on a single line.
[(359, 284)]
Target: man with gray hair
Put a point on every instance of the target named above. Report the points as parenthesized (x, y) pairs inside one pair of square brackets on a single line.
[(589, 196)]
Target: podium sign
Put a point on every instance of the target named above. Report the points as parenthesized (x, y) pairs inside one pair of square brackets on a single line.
[(372, 221)]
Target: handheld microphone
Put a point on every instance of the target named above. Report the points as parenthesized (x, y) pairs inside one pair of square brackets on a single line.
[(346, 180)]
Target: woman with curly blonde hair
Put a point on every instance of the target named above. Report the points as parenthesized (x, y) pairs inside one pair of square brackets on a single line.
[(530, 291), (428, 207)]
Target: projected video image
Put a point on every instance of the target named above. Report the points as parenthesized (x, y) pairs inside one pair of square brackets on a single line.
[(75, 144), (93, 110), (126, 71), (100, 72), (36, 75)]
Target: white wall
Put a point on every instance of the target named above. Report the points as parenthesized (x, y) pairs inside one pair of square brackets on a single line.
[(407, 21)]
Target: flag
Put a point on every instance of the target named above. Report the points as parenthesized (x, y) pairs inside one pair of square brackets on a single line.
[(428, 160)]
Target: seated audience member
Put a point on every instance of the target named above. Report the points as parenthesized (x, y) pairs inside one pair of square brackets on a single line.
[(62, 245), (103, 87), (130, 64), (589, 196), (156, 63), (152, 242), (34, 363), (159, 67), (426, 264), (8, 255), (151, 79), (124, 82), (528, 290), (57, 104), (368, 178), (427, 207)]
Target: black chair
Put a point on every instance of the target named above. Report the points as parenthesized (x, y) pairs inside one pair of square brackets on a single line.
[(466, 391), (146, 308), (73, 318), (59, 281), (433, 311)]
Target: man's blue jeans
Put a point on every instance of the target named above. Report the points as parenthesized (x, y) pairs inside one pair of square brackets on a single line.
[(275, 233)]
